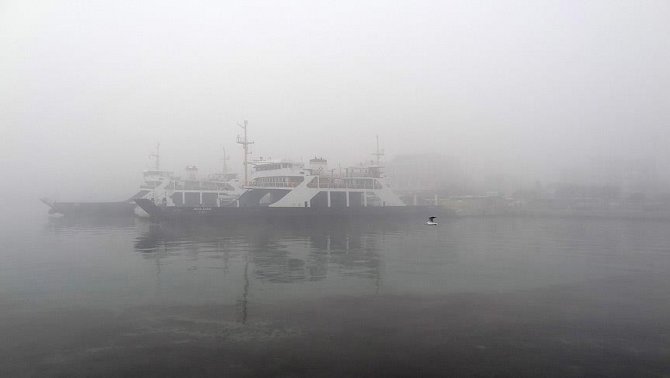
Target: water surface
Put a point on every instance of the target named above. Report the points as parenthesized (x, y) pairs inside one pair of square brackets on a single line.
[(472, 296)]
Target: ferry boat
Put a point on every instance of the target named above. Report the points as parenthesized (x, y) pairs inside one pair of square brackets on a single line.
[(283, 189), (163, 188), (280, 188)]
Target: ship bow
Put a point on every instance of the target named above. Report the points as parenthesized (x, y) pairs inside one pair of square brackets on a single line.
[(149, 206)]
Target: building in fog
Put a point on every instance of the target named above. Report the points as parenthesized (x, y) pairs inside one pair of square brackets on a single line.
[(612, 179), (427, 173)]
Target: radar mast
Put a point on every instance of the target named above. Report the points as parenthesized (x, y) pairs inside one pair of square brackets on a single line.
[(156, 155), (245, 145), (378, 153)]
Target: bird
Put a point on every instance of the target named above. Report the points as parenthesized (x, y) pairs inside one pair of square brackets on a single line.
[(431, 221)]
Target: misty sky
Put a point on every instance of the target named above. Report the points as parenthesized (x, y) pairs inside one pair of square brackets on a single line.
[(88, 87)]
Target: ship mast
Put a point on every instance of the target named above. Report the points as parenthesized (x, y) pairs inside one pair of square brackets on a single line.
[(379, 153), (245, 145), (157, 156), (225, 158)]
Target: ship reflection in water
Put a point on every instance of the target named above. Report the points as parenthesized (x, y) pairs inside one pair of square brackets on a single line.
[(278, 253), (472, 296)]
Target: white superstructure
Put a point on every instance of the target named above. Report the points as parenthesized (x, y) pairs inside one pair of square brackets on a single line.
[(291, 184), (218, 189), (166, 189)]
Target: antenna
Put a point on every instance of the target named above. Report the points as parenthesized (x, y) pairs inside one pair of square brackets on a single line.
[(245, 145), (379, 153)]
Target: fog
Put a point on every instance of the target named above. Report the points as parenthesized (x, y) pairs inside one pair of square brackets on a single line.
[(527, 137), (525, 89)]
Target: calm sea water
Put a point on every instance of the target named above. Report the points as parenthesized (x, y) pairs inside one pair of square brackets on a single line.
[(472, 296)]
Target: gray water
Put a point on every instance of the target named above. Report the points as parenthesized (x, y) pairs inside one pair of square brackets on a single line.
[(472, 296)]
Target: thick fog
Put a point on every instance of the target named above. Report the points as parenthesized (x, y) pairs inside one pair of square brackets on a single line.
[(516, 88)]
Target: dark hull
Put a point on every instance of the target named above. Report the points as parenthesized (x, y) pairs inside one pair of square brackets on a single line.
[(264, 213), (93, 209)]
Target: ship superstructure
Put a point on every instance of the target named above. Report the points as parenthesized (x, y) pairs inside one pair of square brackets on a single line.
[(292, 184), (220, 189)]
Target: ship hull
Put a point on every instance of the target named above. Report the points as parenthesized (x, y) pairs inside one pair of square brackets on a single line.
[(93, 209), (263, 213)]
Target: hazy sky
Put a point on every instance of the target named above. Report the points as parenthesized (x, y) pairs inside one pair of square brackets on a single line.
[(88, 87)]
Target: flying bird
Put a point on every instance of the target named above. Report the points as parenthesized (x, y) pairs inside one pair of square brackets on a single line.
[(431, 221)]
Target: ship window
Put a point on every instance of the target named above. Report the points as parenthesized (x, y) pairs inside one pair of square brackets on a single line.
[(281, 181), (362, 183)]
